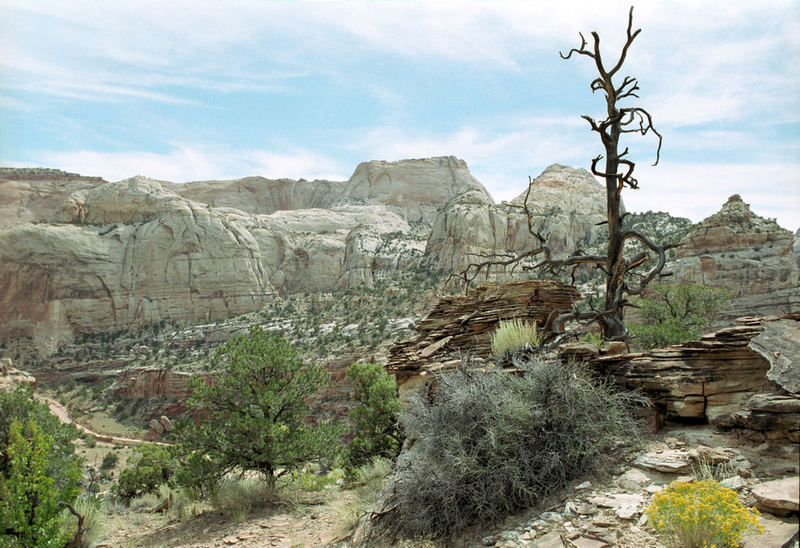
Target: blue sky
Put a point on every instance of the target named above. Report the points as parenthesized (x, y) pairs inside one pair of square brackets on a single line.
[(189, 90)]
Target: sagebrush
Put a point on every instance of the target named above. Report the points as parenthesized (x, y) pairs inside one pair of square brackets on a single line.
[(491, 443)]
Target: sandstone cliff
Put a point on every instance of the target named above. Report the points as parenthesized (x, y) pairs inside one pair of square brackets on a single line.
[(118, 255), (565, 204), (412, 189), (36, 195)]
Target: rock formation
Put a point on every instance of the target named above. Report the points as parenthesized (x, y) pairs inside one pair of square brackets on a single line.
[(464, 324), (720, 379), (413, 189), (750, 255), (36, 195), (136, 252), (566, 204), (10, 377)]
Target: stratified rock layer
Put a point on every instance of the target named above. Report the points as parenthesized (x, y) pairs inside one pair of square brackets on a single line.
[(718, 379), (465, 323), (737, 249)]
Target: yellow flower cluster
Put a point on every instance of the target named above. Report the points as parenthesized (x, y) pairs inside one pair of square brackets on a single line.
[(700, 514)]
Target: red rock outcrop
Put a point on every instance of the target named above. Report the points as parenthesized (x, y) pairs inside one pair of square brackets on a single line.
[(465, 323), (718, 379)]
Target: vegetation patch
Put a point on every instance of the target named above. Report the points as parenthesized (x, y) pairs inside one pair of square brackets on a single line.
[(491, 443), (701, 513)]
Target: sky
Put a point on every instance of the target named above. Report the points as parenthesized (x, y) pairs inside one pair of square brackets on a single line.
[(200, 89)]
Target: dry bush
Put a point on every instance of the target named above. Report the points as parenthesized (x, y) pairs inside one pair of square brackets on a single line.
[(492, 443)]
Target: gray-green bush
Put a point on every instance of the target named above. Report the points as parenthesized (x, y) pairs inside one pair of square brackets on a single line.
[(492, 443)]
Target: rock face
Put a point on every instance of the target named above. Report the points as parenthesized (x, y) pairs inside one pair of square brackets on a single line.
[(126, 254), (465, 323), (565, 204), (412, 189), (718, 379), (737, 249), (779, 344), (36, 195), (779, 497)]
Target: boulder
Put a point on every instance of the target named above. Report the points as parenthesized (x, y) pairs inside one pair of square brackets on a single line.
[(779, 497), (779, 344)]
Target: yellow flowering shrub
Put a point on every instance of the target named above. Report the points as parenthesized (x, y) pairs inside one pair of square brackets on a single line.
[(700, 514)]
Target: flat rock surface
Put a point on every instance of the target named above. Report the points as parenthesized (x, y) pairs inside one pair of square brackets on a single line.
[(778, 497)]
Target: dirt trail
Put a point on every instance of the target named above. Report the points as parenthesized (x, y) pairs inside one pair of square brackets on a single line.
[(63, 415)]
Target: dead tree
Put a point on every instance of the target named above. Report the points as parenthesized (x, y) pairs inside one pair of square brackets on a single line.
[(624, 276)]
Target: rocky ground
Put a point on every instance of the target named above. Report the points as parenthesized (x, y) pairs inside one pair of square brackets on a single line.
[(594, 513)]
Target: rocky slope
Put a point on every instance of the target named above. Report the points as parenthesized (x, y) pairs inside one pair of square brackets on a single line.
[(738, 249)]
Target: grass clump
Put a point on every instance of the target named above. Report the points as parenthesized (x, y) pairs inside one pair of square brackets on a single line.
[(491, 443), (237, 497), (513, 335), (700, 514)]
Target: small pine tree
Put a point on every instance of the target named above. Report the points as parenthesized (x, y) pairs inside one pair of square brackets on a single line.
[(374, 419), (29, 512), (253, 416)]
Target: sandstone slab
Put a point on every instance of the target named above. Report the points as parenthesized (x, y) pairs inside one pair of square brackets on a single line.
[(779, 497)]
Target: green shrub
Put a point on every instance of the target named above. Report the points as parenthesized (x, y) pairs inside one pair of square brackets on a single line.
[(374, 419), (148, 467), (61, 458), (110, 460), (512, 335), (675, 313), (253, 417), (492, 443), (29, 511), (700, 513)]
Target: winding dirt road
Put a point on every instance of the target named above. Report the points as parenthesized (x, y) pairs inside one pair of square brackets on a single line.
[(63, 415)]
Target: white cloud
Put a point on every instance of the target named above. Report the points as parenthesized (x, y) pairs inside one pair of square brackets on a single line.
[(190, 163), (697, 190)]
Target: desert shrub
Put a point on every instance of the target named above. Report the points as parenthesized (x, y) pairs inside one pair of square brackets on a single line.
[(491, 443), (512, 335), (29, 511), (253, 417), (110, 460), (675, 313), (700, 514), (148, 467), (374, 418), (198, 474)]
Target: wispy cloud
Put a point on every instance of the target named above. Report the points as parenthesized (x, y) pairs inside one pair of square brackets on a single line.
[(185, 163)]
